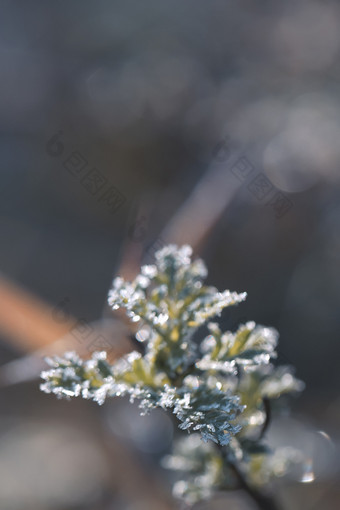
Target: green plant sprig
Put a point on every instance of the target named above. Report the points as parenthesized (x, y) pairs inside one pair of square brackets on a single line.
[(220, 387)]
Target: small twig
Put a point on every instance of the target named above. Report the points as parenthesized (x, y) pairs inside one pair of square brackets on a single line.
[(263, 501), (267, 409)]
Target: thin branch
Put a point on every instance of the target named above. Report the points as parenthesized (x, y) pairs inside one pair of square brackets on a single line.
[(263, 501), (267, 409)]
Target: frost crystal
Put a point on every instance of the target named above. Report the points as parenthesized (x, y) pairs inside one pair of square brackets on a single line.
[(218, 387)]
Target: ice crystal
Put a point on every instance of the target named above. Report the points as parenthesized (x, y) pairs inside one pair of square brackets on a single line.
[(210, 411), (218, 389)]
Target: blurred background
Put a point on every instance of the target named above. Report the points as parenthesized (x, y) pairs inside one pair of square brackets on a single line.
[(125, 125)]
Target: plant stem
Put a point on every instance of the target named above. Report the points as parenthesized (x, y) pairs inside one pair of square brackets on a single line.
[(267, 409), (263, 501)]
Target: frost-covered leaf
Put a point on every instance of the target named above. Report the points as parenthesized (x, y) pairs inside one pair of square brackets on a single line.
[(211, 412), (170, 295), (96, 379), (200, 468), (207, 410), (280, 381), (70, 376), (250, 346)]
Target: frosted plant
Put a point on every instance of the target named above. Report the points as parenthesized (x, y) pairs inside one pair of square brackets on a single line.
[(219, 388)]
